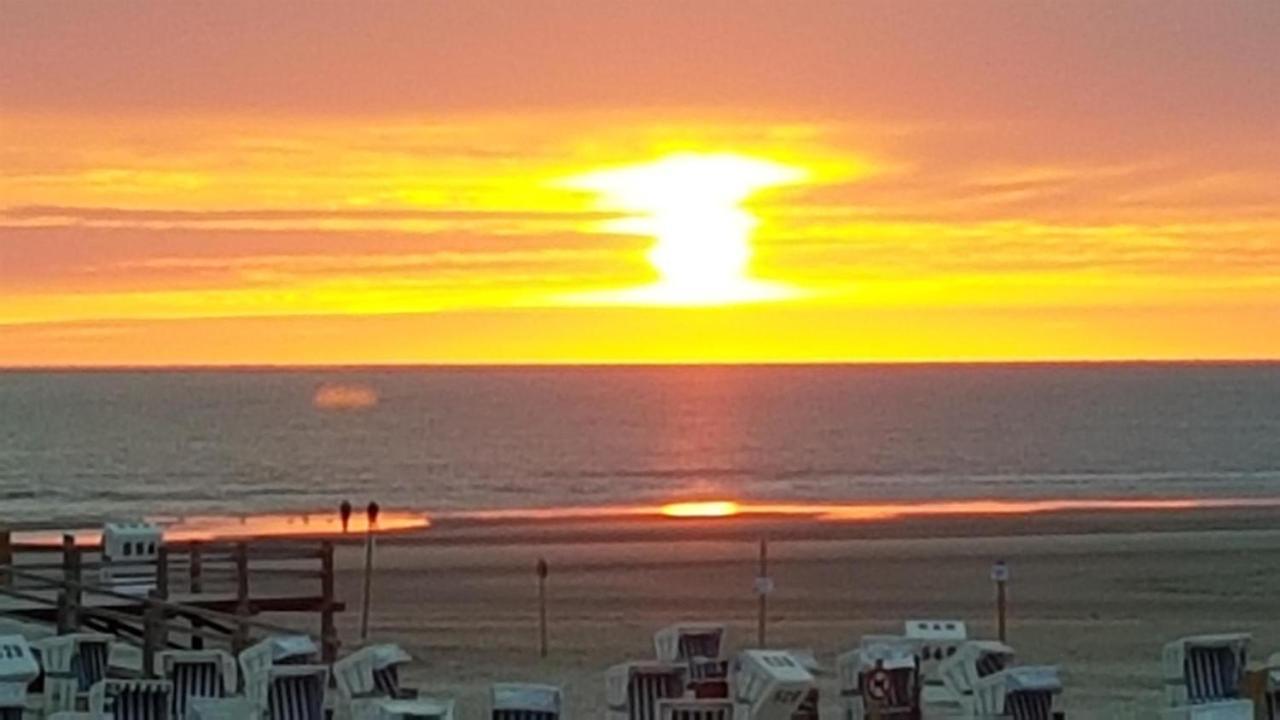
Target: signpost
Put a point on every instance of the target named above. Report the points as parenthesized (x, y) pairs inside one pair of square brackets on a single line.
[(542, 607), (1000, 576), (764, 586), (372, 514)]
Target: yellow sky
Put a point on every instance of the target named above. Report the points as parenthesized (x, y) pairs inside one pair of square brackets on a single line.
[(481, 183)]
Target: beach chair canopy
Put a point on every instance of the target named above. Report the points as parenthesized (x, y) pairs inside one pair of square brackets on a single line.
[(770, 683), (197, 674), (371, 671), (227, 708), (690, 641), (79, 656), (972, 661), (1205, 668), (522, 701), (131, 700), (632, 690), (17, 663)]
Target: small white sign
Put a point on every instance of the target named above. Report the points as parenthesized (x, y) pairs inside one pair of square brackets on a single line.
[(1000, 572), (764, 585)]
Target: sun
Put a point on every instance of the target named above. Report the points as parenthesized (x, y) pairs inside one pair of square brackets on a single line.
[(692, 206)]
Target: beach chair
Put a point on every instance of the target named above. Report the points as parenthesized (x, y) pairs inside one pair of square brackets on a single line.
[(1027, 692), (520, 701), (1271, 689), (695, 709), (72, 664), (701, 647), (296, 692), (881, 676), (939, 640), (225, 708), (632, 690), (257, 661), (130, 557), (1204, 678), (197, 674), (809, 706), (768, 685), (972, 661), (371, 672), (18, 669), (131, 700)]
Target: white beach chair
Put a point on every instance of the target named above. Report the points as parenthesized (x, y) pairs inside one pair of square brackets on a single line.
[(1271, 688), (131, 700), (695, 709), (768, 684), (225, 708), (72, 664), (197, 674), (883, 674), (701, 647), (632, 690), (257, 661), (522, 701), (130, 556), (296, 692), (939, 640), (18, 669), (972, 661), (1204, 678), (370, 672), (1027, 692)]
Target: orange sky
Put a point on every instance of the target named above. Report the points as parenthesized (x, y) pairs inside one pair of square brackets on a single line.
[(301, 182)]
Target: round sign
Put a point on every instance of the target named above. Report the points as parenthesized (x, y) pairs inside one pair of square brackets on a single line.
[(878, 685)]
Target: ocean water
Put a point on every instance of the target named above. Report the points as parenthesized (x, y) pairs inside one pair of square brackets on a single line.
[(79, 445)]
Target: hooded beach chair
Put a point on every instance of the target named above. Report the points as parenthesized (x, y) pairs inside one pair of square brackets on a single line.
[(370, 672), (415, 709), (72, 664), (882, 675), (701, 648), (523, 701), (769, 684), (695, 709), (972, 661), (296, 692), (939, 640), (236, 707), (1271, 688), (1204, 677), (131, 700), (197, 674), (1027, 692), (632, 690), (18, 669), (257, 661)]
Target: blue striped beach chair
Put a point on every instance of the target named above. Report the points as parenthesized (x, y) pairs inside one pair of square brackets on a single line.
[(131, 700), (1026, 692), (1205, 668), (296, 692), (197, 674), (633, 689), (523, 701), (72, 664), (369, 673), (695, 709)]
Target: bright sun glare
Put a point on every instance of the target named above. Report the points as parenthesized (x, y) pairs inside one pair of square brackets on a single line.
[(691, 204)]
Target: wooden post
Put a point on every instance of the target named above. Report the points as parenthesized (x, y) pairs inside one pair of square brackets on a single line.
[(762, 590), (154, 637), (6, 556), (368, 570), (195, 570), (328, 630), (71, 585), (1000, 575), (543, 570), (240, 638)]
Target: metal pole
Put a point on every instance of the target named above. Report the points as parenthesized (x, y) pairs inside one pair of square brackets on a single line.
[(372, 514), (542, 607), (1000, 574), (762, 591)]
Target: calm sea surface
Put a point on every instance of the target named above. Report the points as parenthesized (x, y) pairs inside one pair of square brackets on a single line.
[(115, 444)]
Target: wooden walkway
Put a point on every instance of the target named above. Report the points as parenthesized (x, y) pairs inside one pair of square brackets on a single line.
[(203, 593)]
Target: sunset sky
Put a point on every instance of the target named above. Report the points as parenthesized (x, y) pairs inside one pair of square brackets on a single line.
[(608, 181)]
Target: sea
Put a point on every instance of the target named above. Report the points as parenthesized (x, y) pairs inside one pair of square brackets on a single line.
[(93, 445)]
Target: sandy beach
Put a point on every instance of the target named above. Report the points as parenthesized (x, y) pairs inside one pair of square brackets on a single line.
[(1098, 594)]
